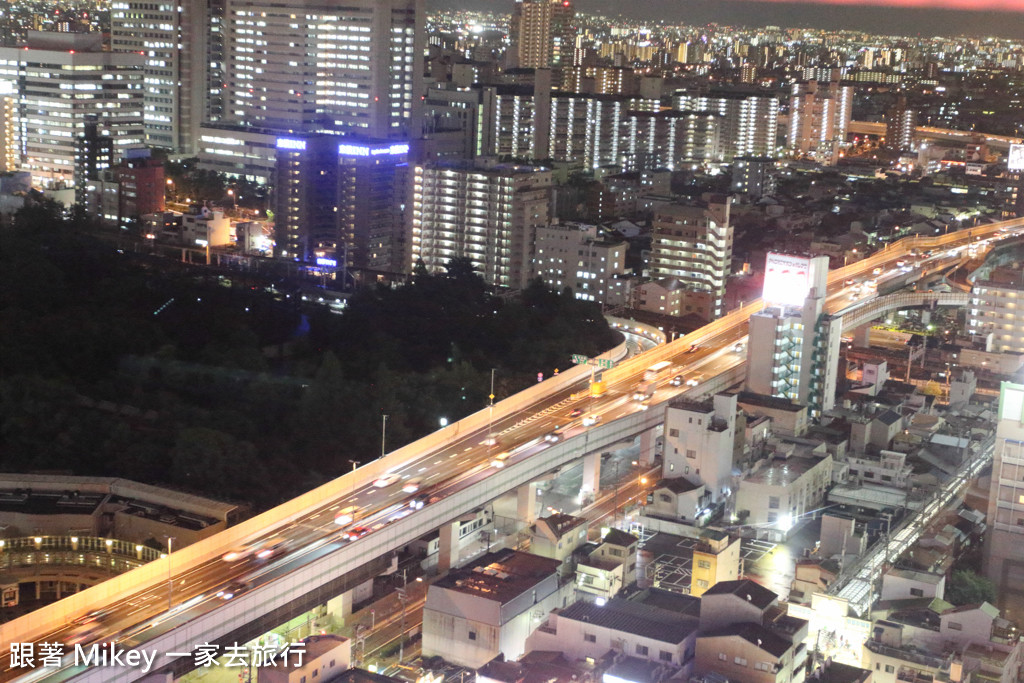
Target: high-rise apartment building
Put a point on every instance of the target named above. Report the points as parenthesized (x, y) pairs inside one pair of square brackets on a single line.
[(489, 215), (794, 350), (173, 38), (9, 148), (61, 79), (749, 122), (819, 117), (307, 65), (542, 33), (693, 244), (994, 316), (670, 139), (1004, 542), (900, 127), (575, 256)]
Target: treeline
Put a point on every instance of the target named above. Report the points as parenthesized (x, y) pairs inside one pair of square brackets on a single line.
[(112, 365)]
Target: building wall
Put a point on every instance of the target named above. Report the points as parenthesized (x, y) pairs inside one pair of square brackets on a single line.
[(699, 444), (896, 587), (739, 660), (1004, 542), (778, 504), (572, 255)]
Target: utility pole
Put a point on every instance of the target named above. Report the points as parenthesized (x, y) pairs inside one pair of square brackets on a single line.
[(383, 435), (170, 580), (490, 414)]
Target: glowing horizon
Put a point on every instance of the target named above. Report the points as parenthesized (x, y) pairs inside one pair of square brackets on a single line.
[(963, 5)]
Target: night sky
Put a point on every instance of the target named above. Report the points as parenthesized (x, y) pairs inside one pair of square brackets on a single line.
[(904, 17)]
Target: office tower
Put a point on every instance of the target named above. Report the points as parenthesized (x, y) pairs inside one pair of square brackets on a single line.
[(693, 244), (819, 116), (995, 317), (94, 154), (1004, 542), (542, 33), (373, 188), (750, 120), (9, 152), (307, 65), (575, 256), (753, 177), (489, 215), (173, 39), (306, 198), (793, 351), (900, 127), (61, 79), (342, 199)]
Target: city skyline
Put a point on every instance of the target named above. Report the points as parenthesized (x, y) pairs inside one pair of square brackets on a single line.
[(993, 17)]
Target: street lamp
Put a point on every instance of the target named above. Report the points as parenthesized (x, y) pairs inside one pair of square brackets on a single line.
[(170, 580), (383, 434)]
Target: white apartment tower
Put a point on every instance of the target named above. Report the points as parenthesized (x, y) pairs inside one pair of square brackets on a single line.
[(574, 255), (1004, 543), (794, 349), (693, 244), (699, 440), (489, 215), (173, 38), (819, 117), (995, 316), (61, 79), (312, 65), (749, 120)]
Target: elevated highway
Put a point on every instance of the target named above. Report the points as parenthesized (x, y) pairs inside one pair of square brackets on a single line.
[(864, 312), (170, 605)]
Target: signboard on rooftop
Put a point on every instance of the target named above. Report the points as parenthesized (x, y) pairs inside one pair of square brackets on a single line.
[(786, 280)]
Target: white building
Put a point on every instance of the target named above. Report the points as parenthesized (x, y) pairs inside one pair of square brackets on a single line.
[(907, 584), (489, 215), (819, 117), (608, 568), (206, 228), (558, 536), (693, 243), (490, 607), (748, 120), (780, 491), (173, 38), (796, 355), (575, 256), (994, 315), (60, 80), (324, 657), (586, 630), (354, 68), (1004, 542), (699, 442), (238, 152)]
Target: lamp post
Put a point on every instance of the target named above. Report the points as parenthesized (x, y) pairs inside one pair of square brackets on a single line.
[(170, 580), (355, 464), (490, 414), (383, 434)]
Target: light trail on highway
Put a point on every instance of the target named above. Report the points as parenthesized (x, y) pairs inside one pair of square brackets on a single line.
[(466, 460)]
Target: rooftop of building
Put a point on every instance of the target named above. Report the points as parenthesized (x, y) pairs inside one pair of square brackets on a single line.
[(769, 402), (837, 672), (915, 575), (637, 618), (363, 676), (501, 576), (493, 169), (659, 598), (690, 405), (561, 523), (678, 485), (619, 538), (634, 669), (755, 635), (539, 666), (783, 472), (745, 589)]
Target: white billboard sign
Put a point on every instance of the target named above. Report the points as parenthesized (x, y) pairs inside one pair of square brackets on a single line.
[(787, 280), (1015, 160)]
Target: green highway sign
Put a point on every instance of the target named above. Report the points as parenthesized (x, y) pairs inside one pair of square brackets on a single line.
[(603, 363), (580, 359)]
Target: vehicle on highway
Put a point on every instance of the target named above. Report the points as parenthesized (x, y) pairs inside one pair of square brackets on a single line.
[(83, 633), (499, 460), (692, 382), (676, 381), (553, 437), (421, 500), (355, 533), (576, 412), (272, 548), (232, 589), (693, 349), (386, 480), (412, 485), (93, 616), (591, 420), (737, 347), (236, 554), (876, 271), (346, 515)]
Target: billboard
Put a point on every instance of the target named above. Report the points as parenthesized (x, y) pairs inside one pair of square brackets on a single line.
[(786, 280), (1015, 159)]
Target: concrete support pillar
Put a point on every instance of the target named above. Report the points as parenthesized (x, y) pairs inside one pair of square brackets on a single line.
[(862, 337), (59, 594), (648, 441), (339, 608), (39, 590), (591, 475), (926, 317), (448, 553), (526, 503)]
